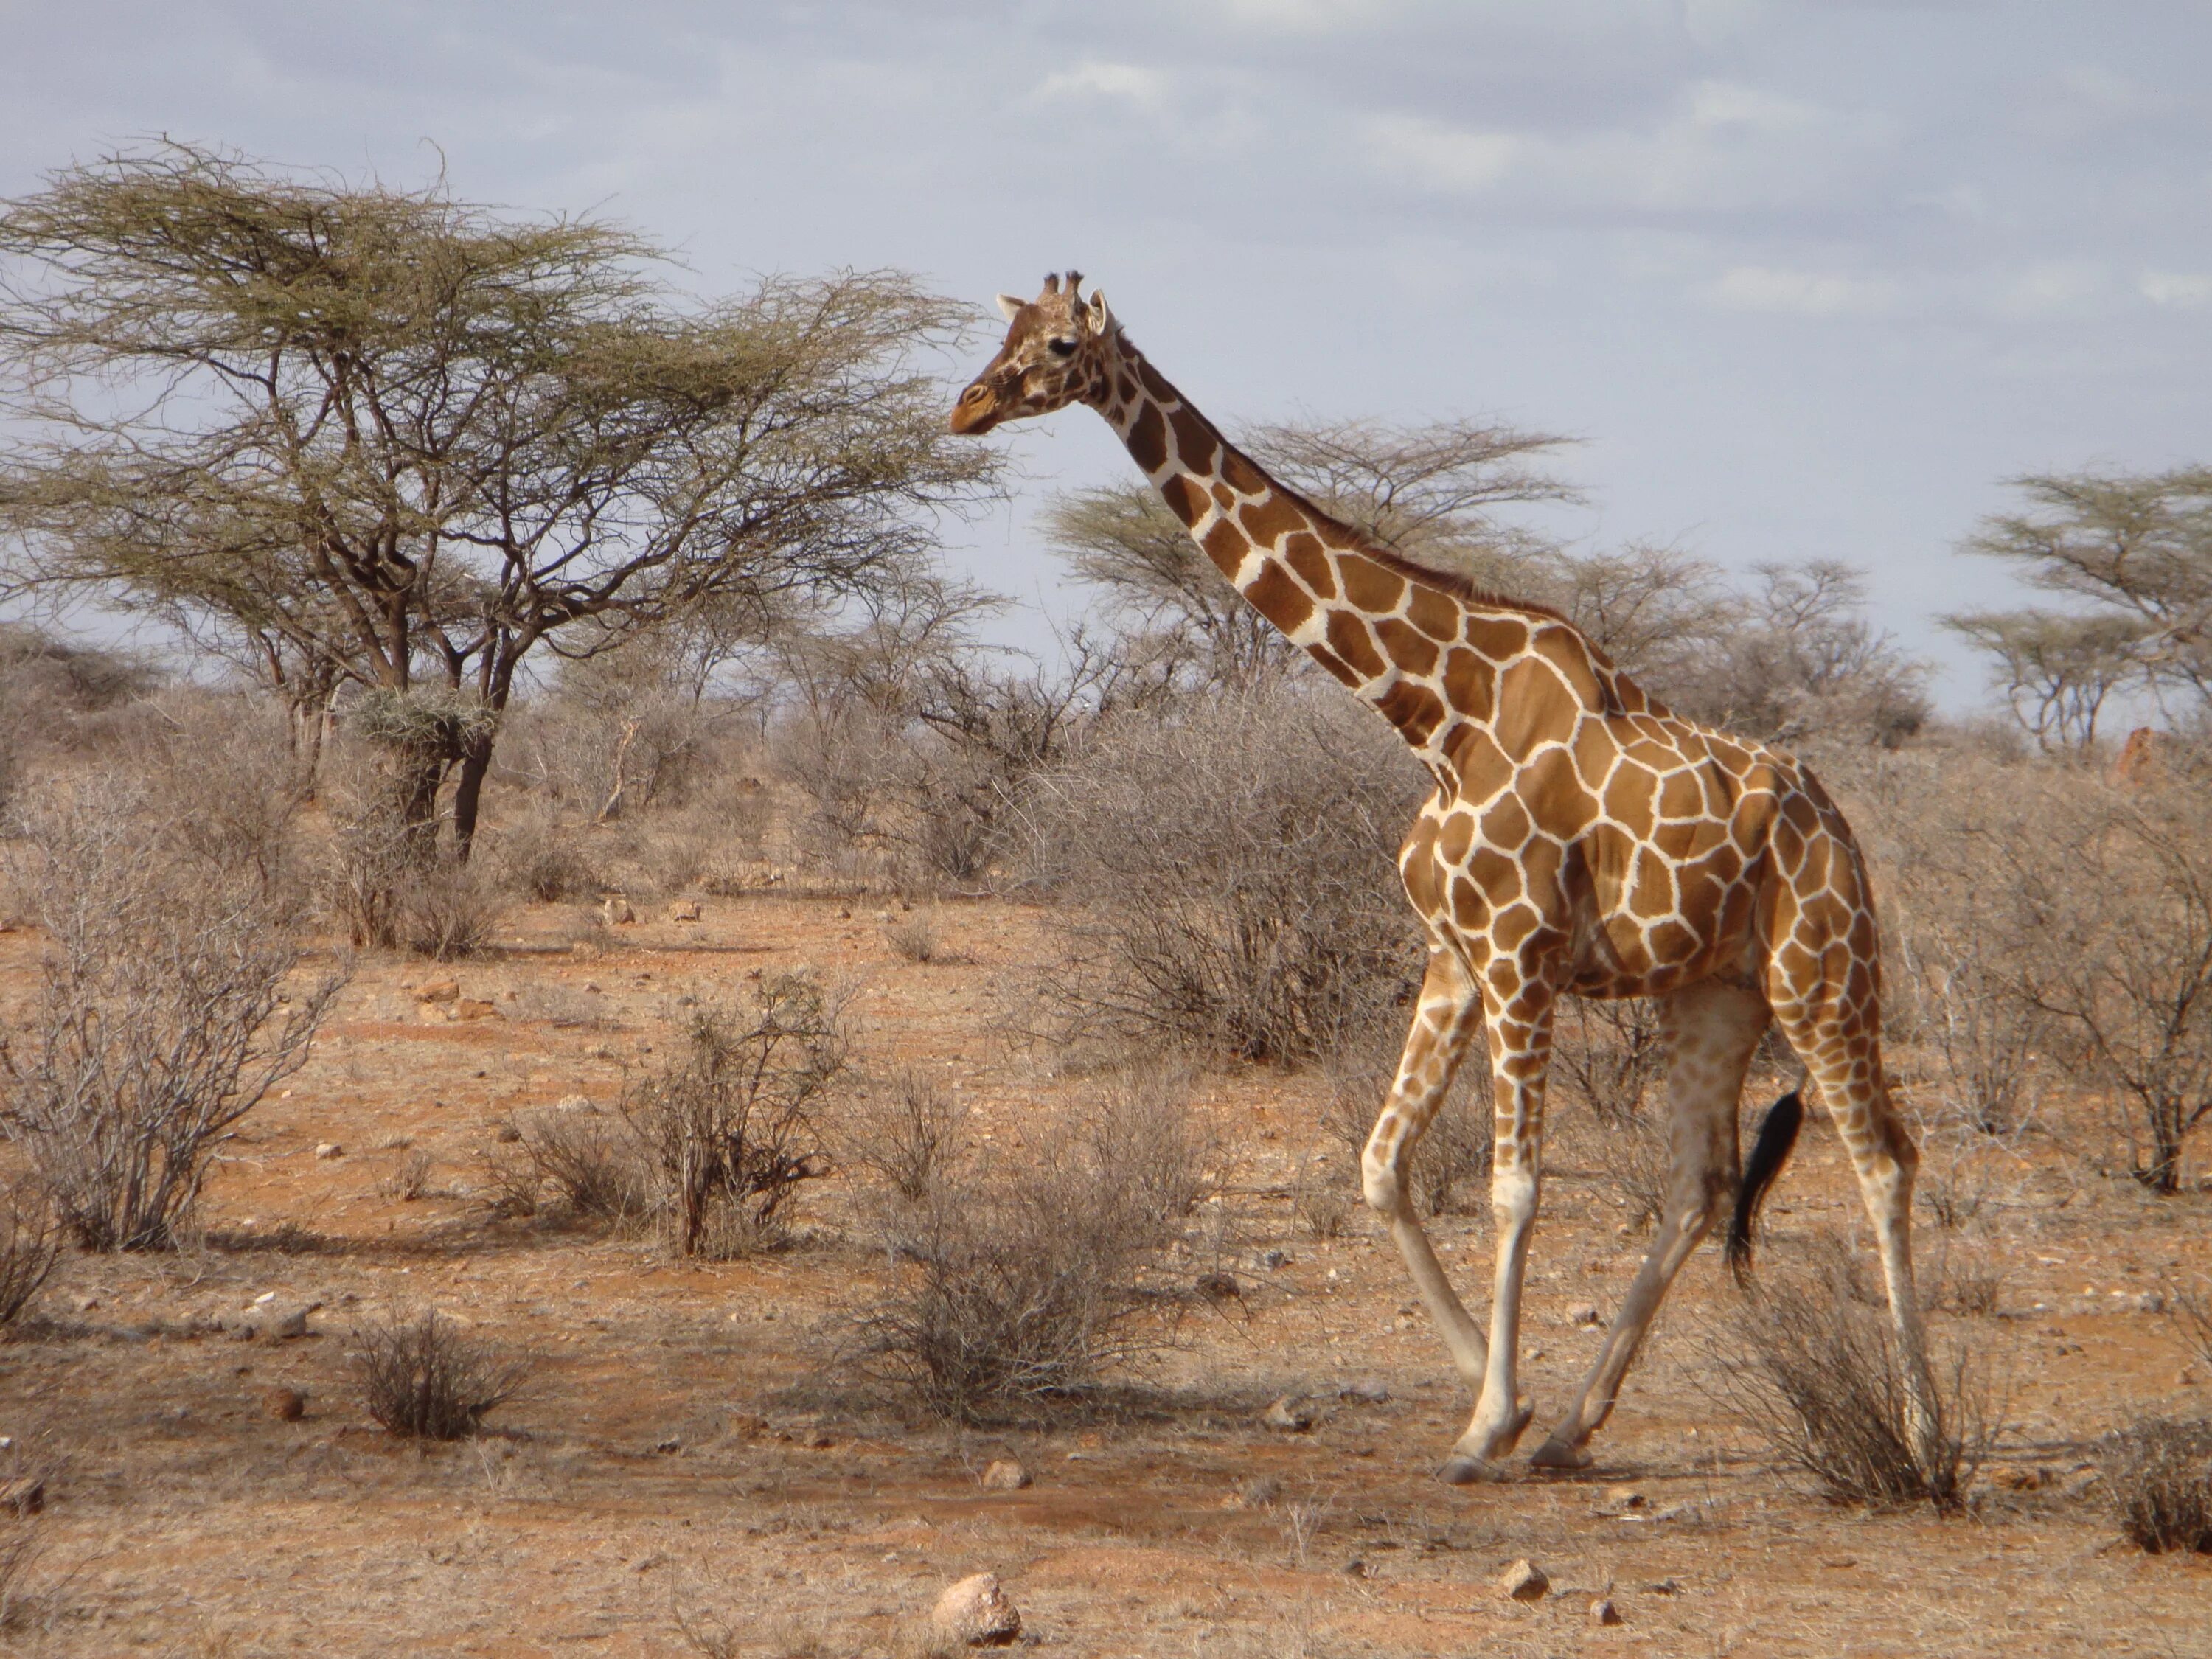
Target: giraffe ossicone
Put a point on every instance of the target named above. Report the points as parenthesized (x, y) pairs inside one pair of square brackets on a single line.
[(1582, 839)]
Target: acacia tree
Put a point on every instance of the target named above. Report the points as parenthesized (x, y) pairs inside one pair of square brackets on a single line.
[(355, 435), (2056, 673), (2133, 552)]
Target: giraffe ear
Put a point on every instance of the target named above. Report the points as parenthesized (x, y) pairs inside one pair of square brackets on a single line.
[(1011, 305), (1101, 320)]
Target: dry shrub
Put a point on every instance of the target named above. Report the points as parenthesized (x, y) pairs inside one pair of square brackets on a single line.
[(1228, 877), (158, 1022), (1321, 1205), (21, 1547), (427, 1377), (594, 1161), (30, 1244), (2047, 916), (1018, 1282), (2192, 1310), (1820, 1376), (914, 939), (444, 911), (536, 862), (907, 1135), (221, 773), (2158, 1476), (728, 1128), (371, 856)]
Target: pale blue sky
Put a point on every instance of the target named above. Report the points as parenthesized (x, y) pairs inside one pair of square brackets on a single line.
[(1808, 279)]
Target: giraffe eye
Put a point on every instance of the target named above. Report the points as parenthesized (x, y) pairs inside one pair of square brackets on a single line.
[(1061, 348)]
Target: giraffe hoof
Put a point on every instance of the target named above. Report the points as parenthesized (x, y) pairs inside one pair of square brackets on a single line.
[(1469, 1472), (1557, 1454)]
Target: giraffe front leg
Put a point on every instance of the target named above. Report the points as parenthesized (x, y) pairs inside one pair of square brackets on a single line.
[(1434, 1048), (1520, 1055)]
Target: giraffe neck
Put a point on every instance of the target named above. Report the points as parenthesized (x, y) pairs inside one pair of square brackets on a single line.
[(1372, 622)]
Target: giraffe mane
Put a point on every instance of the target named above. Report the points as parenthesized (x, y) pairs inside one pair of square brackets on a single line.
[(1462, 587)]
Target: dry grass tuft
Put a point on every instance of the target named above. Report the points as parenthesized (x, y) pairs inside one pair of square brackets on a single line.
[(426, 1377), (914, 939), (1820, 1376), (2158, 1474)]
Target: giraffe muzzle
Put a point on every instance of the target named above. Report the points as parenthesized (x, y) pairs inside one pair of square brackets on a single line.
[(976, 412)]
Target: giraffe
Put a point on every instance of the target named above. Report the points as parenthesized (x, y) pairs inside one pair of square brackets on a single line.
[(1582, 838)]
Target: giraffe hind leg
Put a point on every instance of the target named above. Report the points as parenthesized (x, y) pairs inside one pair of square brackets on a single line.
[(1711, 1031)]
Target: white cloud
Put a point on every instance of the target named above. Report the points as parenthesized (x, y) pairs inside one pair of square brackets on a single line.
[(1308, 16), (1442, 157), (1720, 147), (1095, 79), (2056, 285), (1802, 293), (2175, 288)]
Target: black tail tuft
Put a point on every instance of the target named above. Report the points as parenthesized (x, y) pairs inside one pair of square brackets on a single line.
[(1776, 1135)]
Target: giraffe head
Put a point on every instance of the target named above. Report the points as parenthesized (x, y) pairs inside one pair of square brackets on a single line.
[(1054, 354)]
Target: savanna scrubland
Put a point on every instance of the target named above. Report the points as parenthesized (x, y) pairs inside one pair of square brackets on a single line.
[(587, 1066)]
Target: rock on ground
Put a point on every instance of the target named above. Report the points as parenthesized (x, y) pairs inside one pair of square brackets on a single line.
[(976, 1612), (1524, 1581), (1005, 1475), (285, 1405)]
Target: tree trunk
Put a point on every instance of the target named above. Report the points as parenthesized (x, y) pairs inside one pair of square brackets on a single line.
[(420, 774), (468, 792)]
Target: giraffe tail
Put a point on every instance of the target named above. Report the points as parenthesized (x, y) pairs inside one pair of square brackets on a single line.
[(1777, 1134)]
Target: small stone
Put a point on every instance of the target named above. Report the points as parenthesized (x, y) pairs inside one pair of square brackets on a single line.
[(1367, 1391), (1582, 1314), (1271, 1260), (27, 1496), (291, 1323), (285, 1405), (327, 1150), (1603, 1612), (442, 990), (976, 1612), (1005, 1475), (1288, 1415), (1524, 1581), (684, 910)]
